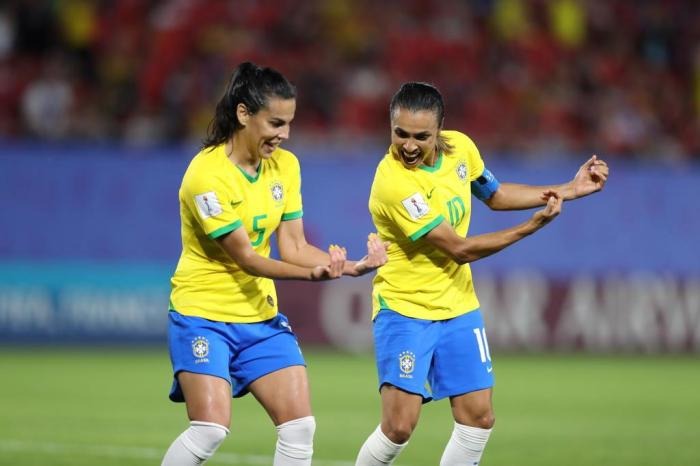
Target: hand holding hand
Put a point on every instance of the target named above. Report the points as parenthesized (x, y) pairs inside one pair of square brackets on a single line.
[(549, 212), (375, 258), (334, 269)]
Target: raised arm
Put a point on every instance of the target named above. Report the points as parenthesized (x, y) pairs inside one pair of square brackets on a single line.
[(590, 178), (472, 248)]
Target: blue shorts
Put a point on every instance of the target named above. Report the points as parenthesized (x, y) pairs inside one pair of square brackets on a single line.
[(238, 353), (432, 358)]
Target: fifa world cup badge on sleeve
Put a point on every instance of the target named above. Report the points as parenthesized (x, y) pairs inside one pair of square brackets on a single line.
[(208, 205), (416, 206)]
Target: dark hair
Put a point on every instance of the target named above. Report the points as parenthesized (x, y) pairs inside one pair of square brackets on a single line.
[(416, 96), (251, 86)]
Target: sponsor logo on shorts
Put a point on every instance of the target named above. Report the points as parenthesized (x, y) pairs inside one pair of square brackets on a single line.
[(200, 350), (407, 362), (286, 325)]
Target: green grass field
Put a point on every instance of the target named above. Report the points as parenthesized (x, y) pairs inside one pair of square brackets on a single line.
[(109, 407)]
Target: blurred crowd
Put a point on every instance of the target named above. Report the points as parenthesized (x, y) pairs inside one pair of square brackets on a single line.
[(529, 77)]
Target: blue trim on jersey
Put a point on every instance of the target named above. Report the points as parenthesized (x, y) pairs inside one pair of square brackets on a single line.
[(485, 186)]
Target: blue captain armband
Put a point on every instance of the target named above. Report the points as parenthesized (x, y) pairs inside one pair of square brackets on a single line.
[(485, 185)]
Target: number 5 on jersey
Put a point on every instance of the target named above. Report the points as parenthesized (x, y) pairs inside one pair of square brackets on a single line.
[(259, 229)]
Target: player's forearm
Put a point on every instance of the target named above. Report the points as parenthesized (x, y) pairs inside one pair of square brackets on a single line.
[(477, 247), (512, 196), (260, 266), (237, 246), (304, 255), (351, 268)]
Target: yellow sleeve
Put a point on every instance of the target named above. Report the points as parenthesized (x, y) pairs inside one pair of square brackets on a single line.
[(407, 206), (293, 206), (474, 161), (463, 144), (210, 201)]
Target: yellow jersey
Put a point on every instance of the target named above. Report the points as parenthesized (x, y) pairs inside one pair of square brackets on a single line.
[(216, 198), (419, 280)]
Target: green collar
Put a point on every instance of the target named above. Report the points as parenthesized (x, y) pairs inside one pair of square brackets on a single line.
[(252, 179), (435, 167)]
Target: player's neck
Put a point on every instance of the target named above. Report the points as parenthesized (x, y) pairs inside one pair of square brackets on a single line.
[(238, 155), (431, 159)]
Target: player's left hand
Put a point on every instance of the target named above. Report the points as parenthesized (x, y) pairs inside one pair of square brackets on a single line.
[(591, 177), (335, 267), (375, 258), (338, 255)]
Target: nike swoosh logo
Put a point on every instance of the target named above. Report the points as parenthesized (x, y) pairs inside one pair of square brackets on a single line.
[(430, 193), (489, 369), (235, 203)]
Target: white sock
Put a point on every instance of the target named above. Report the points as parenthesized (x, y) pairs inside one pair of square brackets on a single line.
[(295, 442), (195, 445), (378, 450), (465, 447)]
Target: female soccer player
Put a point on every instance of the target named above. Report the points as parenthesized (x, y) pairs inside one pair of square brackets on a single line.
[(428, 327), (226, 336)]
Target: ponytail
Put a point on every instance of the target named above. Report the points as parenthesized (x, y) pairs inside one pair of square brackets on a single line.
[(251, 86)]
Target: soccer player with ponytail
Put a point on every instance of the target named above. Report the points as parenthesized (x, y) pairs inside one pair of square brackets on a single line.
[(226, 335)]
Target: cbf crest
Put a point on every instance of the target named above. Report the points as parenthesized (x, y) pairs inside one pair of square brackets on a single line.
[(462, 171), (277, 191), (407, 362), (200, 349)]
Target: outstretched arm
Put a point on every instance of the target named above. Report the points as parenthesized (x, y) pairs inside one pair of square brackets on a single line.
[(590, 178), (472, 248), (237, 246), (375, 258), (294, 249)]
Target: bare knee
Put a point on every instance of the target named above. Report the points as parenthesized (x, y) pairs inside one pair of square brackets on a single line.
[(482, 418), (400, 412), (398, 430), (485, 421), (474, 409), (208, 398)]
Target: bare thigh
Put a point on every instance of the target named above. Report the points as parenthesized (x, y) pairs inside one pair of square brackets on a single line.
[(474, 409), (208, 398), (400, 413), (284, 394)]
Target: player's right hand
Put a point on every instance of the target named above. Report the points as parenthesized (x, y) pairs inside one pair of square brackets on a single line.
[(375, 258), (550, 210), (332, 270)]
